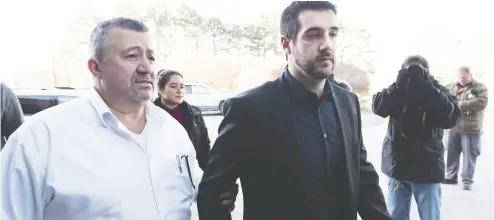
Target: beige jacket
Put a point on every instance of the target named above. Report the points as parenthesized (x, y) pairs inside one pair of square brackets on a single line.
[(472, 100)]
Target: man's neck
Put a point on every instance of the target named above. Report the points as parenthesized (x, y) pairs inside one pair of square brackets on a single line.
[(131, 114), (312, 84), (126, 115), (466, 83)]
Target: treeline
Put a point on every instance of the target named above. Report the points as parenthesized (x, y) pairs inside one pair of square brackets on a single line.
[(207, 48), (208, 34), (259, 38)]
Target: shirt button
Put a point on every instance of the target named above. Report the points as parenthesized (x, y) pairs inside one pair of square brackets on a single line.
[(325, 135)]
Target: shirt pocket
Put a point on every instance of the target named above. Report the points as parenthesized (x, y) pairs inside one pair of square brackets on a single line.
[(173, 190), (183, 161), (469, 95)]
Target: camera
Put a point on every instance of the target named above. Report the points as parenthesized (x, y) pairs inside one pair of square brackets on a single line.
[(415, 71), (414, 116)]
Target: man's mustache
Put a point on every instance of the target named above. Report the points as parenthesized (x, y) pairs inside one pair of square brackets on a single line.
[(325, 56)]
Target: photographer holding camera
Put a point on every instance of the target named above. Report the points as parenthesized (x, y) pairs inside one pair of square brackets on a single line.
[(419, 108)]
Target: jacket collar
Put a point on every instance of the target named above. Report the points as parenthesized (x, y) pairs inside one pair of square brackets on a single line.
[(299, 93), (473, 83), (184, 106), (104, 113)]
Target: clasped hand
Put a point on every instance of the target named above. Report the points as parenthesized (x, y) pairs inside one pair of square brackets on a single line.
[(416, 88)]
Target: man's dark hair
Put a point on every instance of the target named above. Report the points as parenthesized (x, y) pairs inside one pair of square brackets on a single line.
[(464, 69), (289, 23), (416, 59), (99, 35), (164, 77)]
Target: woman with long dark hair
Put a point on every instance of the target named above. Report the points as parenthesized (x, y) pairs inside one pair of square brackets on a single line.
[(171, 99)]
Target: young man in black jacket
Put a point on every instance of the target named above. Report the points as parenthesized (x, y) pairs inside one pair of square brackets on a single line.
[(296, 142), (413, 153)]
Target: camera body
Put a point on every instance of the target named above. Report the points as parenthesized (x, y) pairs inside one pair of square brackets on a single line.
[(414, 116), (414, 74), (415, 71)]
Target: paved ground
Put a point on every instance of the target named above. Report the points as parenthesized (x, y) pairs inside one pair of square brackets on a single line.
[(457, 203)]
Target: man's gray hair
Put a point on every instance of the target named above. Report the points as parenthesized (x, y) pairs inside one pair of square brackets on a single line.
[(99, 35), (465, 69)]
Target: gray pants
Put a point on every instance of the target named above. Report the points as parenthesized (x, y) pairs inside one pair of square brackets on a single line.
[(469, 145)]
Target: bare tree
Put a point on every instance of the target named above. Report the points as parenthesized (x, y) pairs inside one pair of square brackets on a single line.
[(271, 21), (233, 37), (354, 46), (256, 35), (73, 48), (216, 30), (162, 19), (191, 23)]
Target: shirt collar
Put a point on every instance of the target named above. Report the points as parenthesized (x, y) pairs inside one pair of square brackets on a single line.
[(104, 113), (467, 85), (100, 106), (300, 93)]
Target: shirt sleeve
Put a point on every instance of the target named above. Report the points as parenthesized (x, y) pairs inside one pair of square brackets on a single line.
[(195, 172), (192, 164), (23, 170)]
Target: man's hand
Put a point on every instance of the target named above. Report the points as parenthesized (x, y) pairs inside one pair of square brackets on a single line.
[(228, 198), (421, 87), (401, 79)]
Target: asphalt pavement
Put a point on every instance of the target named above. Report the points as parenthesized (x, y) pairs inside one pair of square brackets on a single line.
[(458, 204)]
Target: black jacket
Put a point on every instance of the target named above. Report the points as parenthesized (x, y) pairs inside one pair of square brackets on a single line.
[(257, 143), (195, 126), (419, 159)]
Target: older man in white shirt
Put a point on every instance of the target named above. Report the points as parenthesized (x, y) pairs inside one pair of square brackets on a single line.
[(111, 154)]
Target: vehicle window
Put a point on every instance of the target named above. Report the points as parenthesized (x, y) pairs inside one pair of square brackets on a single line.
[(201, 90), (188, 89)]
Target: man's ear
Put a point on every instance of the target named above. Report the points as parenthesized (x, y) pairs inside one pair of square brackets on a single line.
[(93, 66), (285, 44)]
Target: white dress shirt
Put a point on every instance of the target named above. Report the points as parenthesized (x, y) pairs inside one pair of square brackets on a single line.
[(76, 161)]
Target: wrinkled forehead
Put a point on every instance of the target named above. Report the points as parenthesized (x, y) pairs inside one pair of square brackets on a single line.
[(122, 39), (323, 19), (463, 73)]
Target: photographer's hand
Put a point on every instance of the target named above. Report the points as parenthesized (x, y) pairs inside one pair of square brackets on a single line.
[(414, 92), (421, 91), (401, 79), (425, 88)]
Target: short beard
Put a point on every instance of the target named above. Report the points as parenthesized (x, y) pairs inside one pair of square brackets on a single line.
[(310, 66), (310, 69)]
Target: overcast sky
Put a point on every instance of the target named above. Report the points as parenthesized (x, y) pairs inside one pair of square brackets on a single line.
[(392, 22)]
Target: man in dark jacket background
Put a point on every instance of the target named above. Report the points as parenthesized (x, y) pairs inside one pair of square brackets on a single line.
[(413, 153)]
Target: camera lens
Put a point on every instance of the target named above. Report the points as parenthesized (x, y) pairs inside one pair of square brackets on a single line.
[(415, 71)]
